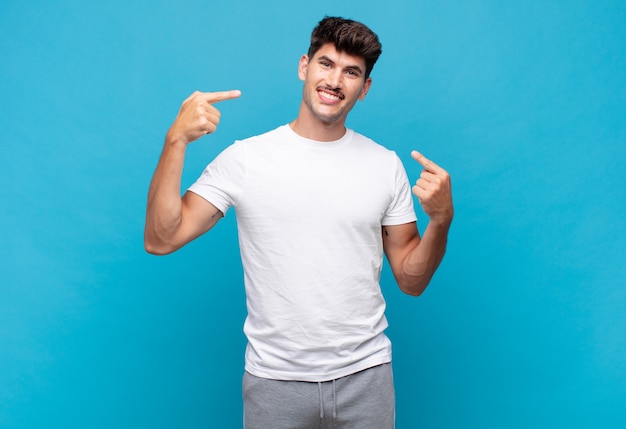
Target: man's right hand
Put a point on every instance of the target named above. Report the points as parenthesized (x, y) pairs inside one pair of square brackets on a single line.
[(198, 116)]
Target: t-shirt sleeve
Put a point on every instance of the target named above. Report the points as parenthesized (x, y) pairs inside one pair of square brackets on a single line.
[(222, 181), (401, 209)]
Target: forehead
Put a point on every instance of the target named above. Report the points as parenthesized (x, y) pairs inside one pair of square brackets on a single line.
[(341, 58)]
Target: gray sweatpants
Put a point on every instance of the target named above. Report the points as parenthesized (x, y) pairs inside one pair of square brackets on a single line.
[(365, 400)]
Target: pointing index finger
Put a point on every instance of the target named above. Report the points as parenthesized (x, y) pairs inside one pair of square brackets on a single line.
[(216, 97), (426, 163)]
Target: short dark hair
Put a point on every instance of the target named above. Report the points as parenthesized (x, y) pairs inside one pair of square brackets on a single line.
[(348, 36)]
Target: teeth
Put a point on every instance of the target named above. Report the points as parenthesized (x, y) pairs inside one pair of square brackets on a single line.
[(331, 96)]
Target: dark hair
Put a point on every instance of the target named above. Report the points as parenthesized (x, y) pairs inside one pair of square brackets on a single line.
[(348, 36)]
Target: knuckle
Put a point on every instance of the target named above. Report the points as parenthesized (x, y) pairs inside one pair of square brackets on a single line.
[(212, 110)]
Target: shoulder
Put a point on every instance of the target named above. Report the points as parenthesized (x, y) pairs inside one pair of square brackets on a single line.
[(268, 136), (374, 149), (242, 147)]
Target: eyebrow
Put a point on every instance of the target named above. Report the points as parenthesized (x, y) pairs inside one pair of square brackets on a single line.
[(351, 67)]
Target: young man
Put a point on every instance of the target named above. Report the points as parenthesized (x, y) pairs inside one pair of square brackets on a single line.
[(316, 205)]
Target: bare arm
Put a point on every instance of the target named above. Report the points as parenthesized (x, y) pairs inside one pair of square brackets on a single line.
[(414, 260), (172, 221)]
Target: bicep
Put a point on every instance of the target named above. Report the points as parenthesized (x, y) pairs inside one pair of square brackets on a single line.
[(197, 217), (398, 242)]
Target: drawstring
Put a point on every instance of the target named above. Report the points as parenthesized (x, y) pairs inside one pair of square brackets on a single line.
[(334, 405), (319, 387)]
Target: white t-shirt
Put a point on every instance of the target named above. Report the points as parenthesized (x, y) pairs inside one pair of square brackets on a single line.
[(309, 217)]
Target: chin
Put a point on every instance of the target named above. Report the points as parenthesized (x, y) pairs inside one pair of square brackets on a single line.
[(330, 118)]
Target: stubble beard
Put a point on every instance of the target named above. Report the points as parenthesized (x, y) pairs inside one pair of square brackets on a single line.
[(328, 119)]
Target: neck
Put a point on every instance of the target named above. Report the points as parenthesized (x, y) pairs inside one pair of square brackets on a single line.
[(309, 126)]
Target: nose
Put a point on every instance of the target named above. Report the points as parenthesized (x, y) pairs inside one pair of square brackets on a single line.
[(334, 78)]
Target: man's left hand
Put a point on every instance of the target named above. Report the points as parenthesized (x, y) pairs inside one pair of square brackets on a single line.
[(434, 190)]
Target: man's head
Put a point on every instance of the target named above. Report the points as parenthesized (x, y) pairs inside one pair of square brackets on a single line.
[(347, 36)]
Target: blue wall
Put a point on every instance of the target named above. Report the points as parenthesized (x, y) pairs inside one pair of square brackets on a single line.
[(524, 103)]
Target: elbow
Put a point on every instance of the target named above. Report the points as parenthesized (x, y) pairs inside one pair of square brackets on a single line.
[(413, 285), (412, 289), (156, 247), (413, 293), (413, 280), (154, 250)]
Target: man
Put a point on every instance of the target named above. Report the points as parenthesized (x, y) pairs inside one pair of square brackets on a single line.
[(316, 204)]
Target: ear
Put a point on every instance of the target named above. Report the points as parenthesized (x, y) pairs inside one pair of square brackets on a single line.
[(302, 66), (366, 88)]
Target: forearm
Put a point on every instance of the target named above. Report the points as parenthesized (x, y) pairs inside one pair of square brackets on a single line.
[(172, 221), (164, 209), (421, 262), (414, 260)]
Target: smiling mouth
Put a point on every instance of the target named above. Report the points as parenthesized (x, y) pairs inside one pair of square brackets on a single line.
[(330, 94)]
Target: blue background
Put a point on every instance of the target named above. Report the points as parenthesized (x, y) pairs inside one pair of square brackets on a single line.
[(524, 103)]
